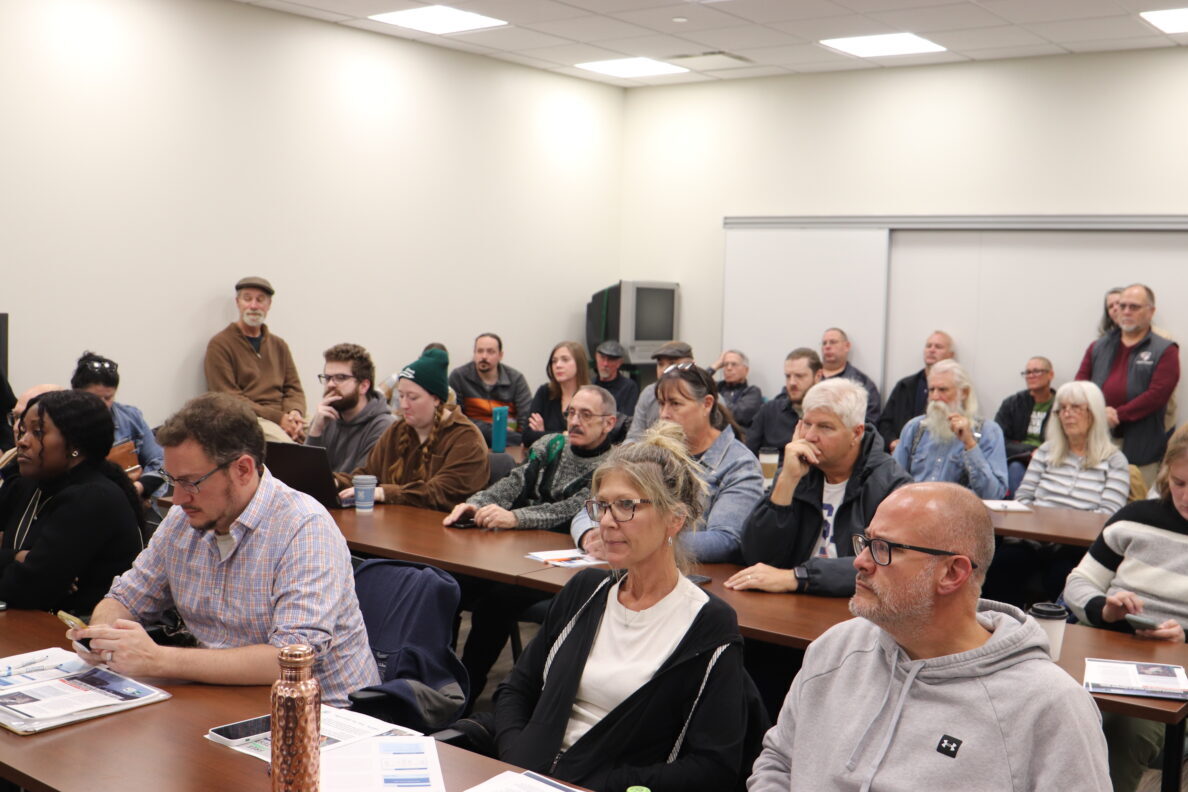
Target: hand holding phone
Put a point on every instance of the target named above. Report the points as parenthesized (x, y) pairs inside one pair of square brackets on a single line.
[(75, 623), (1140, 622)]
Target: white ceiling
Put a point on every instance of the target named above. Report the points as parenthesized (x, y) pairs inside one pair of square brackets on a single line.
[(767, 37)]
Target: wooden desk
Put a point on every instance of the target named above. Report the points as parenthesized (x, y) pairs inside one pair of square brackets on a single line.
[(159, 747), (412, 534), (1046, 524), (794, 620)]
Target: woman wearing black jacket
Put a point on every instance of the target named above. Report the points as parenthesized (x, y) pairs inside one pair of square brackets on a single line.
[(636, 677), (71, 520)]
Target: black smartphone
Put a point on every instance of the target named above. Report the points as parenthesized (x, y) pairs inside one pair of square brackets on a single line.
[(700, 580), (1139, 622), (242, 731)]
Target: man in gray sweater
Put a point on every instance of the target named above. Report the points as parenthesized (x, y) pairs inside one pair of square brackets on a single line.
[(351, 415), (931, 688)]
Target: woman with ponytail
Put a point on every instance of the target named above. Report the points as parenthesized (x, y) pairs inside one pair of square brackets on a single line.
[(636, 675), (688, 397), (72, 520), (435, 457)]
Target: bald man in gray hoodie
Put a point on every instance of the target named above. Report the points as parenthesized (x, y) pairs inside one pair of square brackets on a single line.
[(932, 688)]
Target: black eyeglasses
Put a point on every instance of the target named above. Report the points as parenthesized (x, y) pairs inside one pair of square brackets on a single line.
[(1033, 372), (880, 549), (337, 379), (585, 416), (622, 510), (191, 487)]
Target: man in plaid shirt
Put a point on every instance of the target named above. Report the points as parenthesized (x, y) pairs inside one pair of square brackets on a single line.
[(250, 564)]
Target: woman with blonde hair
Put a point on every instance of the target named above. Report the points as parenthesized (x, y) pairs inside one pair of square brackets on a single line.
[(568, 369), (435, 457), (636, 676)]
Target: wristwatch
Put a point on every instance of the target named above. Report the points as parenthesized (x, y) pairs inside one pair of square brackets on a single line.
[(801, 574)]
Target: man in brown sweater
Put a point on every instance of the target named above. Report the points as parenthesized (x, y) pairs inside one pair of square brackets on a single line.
[(246, 360)]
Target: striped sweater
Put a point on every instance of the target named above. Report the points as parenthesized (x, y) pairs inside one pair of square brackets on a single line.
[(1143, 549), (1102, 488)]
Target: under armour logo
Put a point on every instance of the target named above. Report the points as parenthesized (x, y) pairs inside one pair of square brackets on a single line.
[(948, 746)]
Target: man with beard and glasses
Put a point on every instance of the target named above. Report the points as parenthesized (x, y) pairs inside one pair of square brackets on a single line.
[(250, 565), (931, 687), (949, 442), (352, 414), (247, 360)]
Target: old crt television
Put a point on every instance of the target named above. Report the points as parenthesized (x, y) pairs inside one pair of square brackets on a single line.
[(640, 315)]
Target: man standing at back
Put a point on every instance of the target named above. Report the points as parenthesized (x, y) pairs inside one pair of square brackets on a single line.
[(1137, 371), (930, 688), (909, 397), (485, 383), (250, 564), (835, 359), (246, 360)]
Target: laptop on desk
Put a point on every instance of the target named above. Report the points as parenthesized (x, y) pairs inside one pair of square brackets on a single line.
[(304, 468)]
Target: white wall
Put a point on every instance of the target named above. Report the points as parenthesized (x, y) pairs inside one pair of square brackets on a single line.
[(1077, 134), (153, 152)]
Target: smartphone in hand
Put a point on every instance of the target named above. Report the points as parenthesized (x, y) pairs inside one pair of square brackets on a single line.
[(75, 623)]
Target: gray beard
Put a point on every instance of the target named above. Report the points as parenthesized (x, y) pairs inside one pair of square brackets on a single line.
[(936, 421)]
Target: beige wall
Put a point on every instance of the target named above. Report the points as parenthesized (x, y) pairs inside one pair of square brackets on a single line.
[(395, 193)]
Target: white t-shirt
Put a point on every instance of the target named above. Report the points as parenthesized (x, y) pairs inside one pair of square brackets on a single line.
[(831, 500), (629, 647)]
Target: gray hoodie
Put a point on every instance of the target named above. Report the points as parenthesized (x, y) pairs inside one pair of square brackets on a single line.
[(863, 716), (348, 443)]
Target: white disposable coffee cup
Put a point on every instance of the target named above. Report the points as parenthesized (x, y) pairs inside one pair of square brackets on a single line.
[(1052, 617), (769, 460), (364, 492)]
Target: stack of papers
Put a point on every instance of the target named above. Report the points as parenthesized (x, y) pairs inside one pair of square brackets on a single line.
[(383, 763), (52, 687), (565, 558), (1006, 506), (1125, 678)]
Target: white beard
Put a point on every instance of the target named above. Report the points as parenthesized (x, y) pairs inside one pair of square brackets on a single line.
[(936, 421)]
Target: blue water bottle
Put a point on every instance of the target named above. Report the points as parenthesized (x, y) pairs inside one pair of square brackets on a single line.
[(499, 429)]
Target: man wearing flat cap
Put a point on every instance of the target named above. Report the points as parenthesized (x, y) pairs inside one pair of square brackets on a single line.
[(247, 360), (608, 358)]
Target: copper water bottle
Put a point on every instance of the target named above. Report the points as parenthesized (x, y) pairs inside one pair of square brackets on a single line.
[(296, 722)]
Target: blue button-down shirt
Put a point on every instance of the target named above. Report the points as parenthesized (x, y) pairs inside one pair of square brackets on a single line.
[(984, 466)]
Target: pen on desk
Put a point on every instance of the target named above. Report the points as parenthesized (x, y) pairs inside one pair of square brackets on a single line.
[(10, 671)]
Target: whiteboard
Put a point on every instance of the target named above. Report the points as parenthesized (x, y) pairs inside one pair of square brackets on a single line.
[(783, 287)]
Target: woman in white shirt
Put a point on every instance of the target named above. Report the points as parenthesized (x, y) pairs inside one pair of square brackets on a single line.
[(636, 676)]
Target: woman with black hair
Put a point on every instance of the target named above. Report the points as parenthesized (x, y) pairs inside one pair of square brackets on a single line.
[(71, 520), (101, 376)]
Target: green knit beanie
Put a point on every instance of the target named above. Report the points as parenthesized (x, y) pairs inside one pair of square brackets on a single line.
[(429, 371)]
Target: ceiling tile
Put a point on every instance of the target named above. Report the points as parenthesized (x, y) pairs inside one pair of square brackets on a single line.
[(853, 64), (458, 43), (569, 54), (746, 72), (782, 10), (865, 6), (592, 28), (301, 10), (654, 46), (700, 17), (1117, 27), (522, 12), (743, 37), (923, 59), (1025, 51), (507, 38), (1102, 45), (671, 79), (984, 38), (794, 55), (833, 27), (523, 60), (614, 6), (947, 17), (386, 29), (1025, 11)]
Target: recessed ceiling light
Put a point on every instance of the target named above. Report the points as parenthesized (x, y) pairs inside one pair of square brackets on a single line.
[(438, 19), (1173, 20), (679, 20), (631, 67), (883, 45)]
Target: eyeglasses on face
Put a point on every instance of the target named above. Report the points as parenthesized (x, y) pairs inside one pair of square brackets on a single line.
[(190, 487), (622, 510), (1073, 408), (585, 416), (880, 549), (337, 379), (1033, 372)]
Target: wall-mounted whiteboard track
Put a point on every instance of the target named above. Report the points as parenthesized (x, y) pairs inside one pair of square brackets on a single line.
[(1005, 288)]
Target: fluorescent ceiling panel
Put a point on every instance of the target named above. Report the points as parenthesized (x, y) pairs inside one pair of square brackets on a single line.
[(438, 19), (883, 45), (1173, 20), (631, 67)]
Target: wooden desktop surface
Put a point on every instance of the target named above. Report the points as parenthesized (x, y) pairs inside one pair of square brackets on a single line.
[(1045, 524), (158, 747), (412, 534)]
